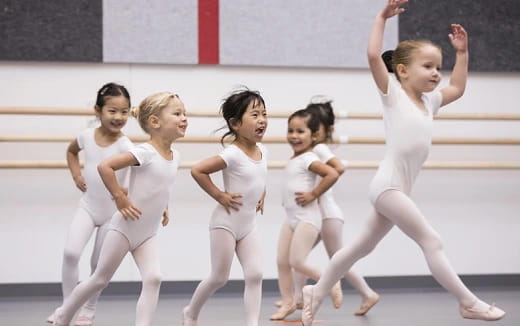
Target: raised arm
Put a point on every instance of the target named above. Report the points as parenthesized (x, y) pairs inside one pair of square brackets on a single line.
[(107, 170), (459, 75), (201, 171), (74, 165), (375, 43)]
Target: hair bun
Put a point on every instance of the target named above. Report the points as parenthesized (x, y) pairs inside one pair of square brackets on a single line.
[(134, 112), (387, 59)]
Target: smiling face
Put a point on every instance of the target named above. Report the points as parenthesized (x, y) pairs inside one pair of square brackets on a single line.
[(173, 120), (113, 114), (299, 135), (253, 124), (423, 72)]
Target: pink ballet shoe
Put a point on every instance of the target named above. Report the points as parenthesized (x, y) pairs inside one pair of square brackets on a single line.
[(186, 319), (279, 303), (284, 311), (336, 294), (310, 305), (491, 314), (84, 321), (366, 305), (56, 316)]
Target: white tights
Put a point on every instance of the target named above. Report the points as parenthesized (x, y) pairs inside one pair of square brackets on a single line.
[(80, 231), (293, 249), (332, 236), (223, 247), (114, 249), (395, 208)]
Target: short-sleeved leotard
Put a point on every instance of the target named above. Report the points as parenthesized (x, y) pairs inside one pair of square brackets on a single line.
[(408, 131), (149, 190), (298, 178), (328, 206), (97, 201), (247, 177)]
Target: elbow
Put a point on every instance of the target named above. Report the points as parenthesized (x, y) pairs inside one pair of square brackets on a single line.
[(340, 170)]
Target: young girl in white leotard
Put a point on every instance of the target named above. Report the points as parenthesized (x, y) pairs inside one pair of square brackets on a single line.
[(331, 214), (133, 228), (96, 205), (232, 226), (407, 115), (300, 192)]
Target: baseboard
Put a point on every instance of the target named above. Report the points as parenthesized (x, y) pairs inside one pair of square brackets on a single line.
[(412, 283)]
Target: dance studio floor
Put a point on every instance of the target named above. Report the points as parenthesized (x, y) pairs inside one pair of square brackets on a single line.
[(399, 308)]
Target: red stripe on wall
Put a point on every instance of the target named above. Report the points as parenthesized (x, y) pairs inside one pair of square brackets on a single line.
[(208, 32)]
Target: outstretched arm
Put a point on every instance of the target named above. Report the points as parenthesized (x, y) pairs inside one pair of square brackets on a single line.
[(201, 171), (375, 43), (459, 75)]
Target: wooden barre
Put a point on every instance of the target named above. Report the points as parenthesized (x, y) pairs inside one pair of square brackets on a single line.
[(274, 140), (437, 165), (340, 114)]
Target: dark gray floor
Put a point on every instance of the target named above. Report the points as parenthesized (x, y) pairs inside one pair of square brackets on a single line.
[(396, 307)]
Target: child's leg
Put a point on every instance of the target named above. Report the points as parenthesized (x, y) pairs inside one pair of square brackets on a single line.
[(285, 281), (400, 209), (249, 253), (376, 228), (146, 257), (222, 245), (112, 253), (79, 233), (332, 234), (89, 308), (303, 240)]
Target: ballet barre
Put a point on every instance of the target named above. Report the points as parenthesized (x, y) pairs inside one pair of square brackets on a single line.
[(434, 165), (273, 140), (340, 114)]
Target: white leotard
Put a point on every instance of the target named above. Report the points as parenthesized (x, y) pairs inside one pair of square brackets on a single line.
[(328, 206), (408, 131), (247, 177), (298, 178), (149, 190), (97, 201)]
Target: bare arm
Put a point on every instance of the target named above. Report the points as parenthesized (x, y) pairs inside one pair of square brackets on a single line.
[(328, 177), (375, 43), (336, 164), (74, 165), (107, 170), (459, 75), (201, 171)]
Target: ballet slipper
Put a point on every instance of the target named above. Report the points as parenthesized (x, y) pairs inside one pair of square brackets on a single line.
[(336, 294), (56, 316), (84, 321), (299, 304), (50, 319), (186, 319), (284, 311), (491, 314), (367, 304), (310, 305)]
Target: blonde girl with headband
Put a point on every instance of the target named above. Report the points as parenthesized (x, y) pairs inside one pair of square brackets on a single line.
[(96, 206), (407, 113), (300, 193), (153, 167), (232, 227)]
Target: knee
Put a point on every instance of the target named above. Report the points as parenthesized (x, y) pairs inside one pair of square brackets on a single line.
[(100, 281), (71, 257), (283, 263), (297, 263), (218, 281), (254, 277), (152, 279), (432, 243)]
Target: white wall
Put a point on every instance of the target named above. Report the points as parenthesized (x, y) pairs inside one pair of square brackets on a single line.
[(476, 212)]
